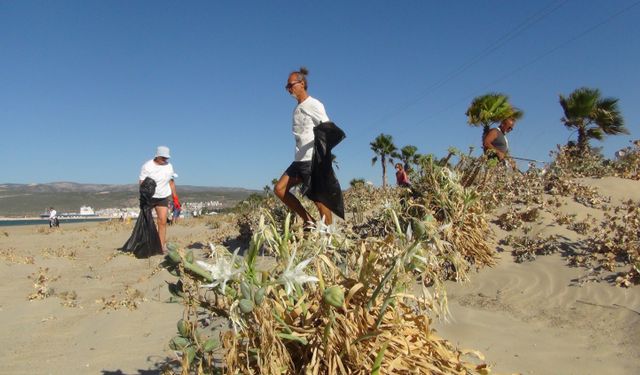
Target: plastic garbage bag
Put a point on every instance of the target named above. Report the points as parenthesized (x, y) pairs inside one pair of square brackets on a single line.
[(144, 241), (324, 186)]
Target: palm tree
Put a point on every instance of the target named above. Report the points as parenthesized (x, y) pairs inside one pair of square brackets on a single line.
[(490, 109), (384, 148), (409, 155), (356, 182), (591, 115)]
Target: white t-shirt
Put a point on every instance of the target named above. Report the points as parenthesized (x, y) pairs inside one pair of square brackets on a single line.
[(161, 174), (52, 214), (306, 116)]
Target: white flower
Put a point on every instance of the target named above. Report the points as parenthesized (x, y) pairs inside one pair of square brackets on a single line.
[(326, 232), (213, 250), (221, 271), (292, 277), (321, 227), (387, 205), (409, 233)]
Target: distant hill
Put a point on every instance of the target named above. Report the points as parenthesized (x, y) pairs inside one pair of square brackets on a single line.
[(33, 199)]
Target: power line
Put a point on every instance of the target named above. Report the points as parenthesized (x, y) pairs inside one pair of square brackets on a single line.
[(537, 58), (499, 43)]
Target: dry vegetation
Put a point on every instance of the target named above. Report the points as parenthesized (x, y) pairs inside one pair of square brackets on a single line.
[(343, 299), (607, 245)]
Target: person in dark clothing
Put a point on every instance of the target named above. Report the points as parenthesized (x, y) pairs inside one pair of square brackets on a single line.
[(308, 113), (495, 141)]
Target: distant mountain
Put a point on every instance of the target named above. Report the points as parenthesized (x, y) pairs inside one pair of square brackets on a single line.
[(33, 199)]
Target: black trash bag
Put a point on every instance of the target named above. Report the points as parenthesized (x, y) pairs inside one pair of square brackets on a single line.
[(324, 186), (145, 240)]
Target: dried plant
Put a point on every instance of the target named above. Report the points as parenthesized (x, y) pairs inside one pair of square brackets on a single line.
[(571, 162), (331, 303), (527, 249), (616, 242), (131, 299), (627, 163), (41, 282), (69, 299), (61, 252), (629, 278), (10, 256), (583, 227), (563, 218), (514, 218)]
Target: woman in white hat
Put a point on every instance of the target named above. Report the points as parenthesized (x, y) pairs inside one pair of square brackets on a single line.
[(161, 171)]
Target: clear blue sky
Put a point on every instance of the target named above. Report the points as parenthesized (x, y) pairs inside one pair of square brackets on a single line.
[(88, 89)]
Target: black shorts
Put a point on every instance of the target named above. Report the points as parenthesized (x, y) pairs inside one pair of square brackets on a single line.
[(299, 169), (162, 202)]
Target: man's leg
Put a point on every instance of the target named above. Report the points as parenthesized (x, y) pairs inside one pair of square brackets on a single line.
[(161, 213), (282, 191), (325, 213)]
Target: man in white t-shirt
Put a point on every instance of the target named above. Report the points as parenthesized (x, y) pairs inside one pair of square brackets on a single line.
[(307, 114), (161, 171)]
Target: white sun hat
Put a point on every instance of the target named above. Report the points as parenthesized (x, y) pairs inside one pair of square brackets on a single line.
[(163, 152)]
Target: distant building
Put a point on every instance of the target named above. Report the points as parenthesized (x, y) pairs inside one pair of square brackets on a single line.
[(87, 211)]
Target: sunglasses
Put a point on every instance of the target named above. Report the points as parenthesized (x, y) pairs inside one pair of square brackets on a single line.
[(291, 84)]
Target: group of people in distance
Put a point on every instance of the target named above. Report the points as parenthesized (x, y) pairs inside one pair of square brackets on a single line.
[(307, 114)]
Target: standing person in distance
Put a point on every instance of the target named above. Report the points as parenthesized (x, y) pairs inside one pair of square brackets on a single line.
[(308, 113), (53, 218), (401, 176), (161, 171), (495, 141)]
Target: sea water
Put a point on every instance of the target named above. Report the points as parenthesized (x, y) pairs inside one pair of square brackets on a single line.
[(10, 223)]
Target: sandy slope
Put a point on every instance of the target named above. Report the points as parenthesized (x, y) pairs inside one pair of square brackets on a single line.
[(534, 318), (526, 318)]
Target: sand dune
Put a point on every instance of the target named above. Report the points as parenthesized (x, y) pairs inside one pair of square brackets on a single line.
[(529, 318), (538, 318)]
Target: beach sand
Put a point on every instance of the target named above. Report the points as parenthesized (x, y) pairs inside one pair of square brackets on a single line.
[(528, 318), (535, 318)]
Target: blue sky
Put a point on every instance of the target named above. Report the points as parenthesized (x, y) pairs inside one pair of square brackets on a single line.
[(88, 89)]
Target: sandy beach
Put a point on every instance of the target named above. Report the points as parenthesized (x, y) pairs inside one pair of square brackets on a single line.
[(102, 312)]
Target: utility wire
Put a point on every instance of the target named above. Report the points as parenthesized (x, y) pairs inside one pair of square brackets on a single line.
[(535, 60), (526, 65), (499, 43)]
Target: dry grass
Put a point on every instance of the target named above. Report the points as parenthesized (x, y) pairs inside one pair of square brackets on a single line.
[(130, 298), (9, 255), (41, 280)]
